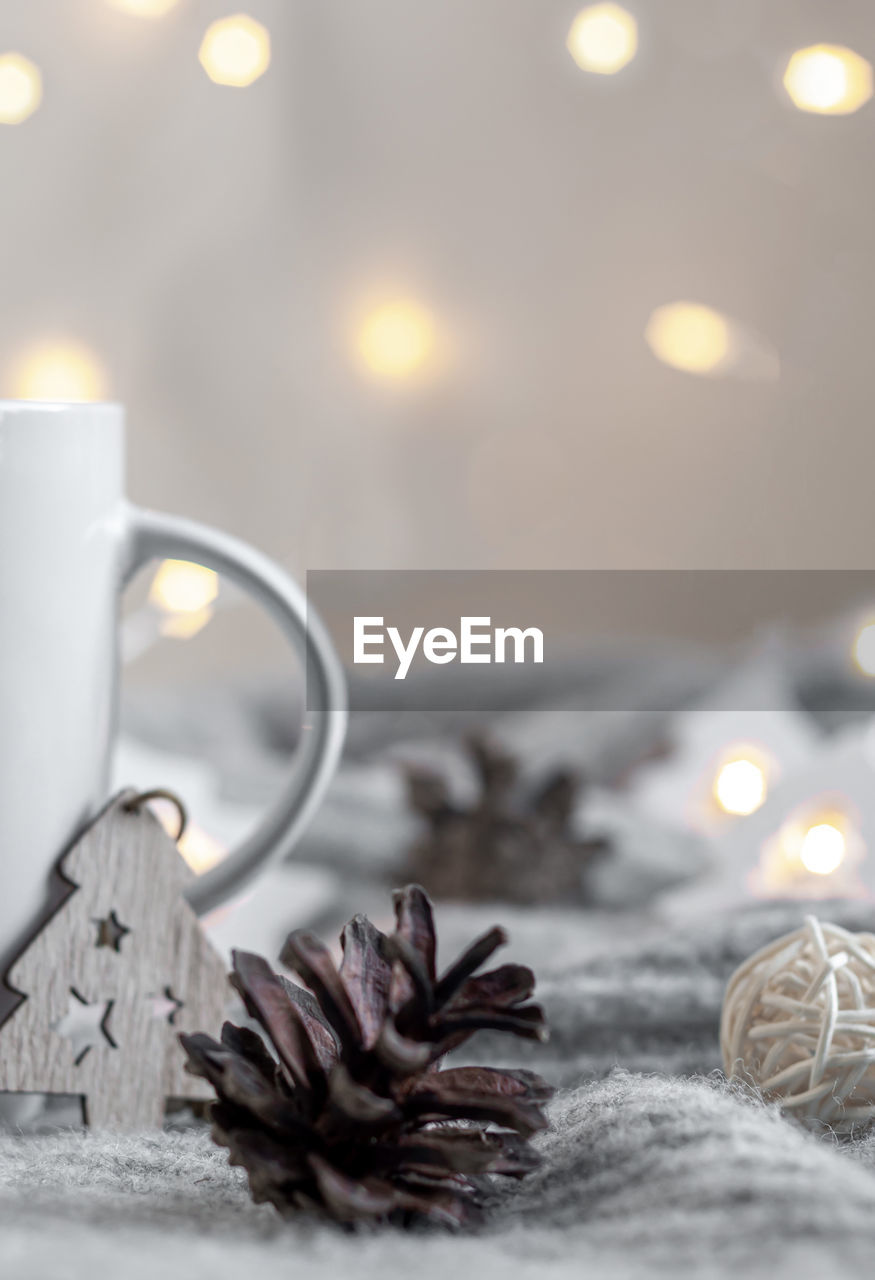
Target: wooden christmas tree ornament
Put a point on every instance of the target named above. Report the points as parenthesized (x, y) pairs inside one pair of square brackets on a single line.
[(121, 968)]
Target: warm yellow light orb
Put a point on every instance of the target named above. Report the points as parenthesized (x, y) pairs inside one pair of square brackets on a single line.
[(200, 850), (235, 51), (21, 88), (59, 371), (397, 339), (740, 787), (183, 626), (182, 587), (823, 849), (828, 79), (603, 39), (689, 336), (864, 649), (144, 8)]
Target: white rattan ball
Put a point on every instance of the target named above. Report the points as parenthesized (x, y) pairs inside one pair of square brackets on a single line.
[(799, 1023)]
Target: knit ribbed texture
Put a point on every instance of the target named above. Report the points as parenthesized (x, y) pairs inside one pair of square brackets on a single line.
[(643, 1174)]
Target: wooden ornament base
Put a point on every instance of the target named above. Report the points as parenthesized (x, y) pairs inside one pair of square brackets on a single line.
[(121, 968)]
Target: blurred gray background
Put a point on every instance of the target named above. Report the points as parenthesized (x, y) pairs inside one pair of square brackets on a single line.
[(219, 249)]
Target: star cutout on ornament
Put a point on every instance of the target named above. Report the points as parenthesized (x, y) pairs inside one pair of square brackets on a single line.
[(85, 1025), (165, 1006), (110, 931)]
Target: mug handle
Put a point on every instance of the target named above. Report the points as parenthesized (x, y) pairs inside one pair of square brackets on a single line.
[(153, 535)]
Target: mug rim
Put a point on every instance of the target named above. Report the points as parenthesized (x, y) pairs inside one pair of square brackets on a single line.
[(59, 406)]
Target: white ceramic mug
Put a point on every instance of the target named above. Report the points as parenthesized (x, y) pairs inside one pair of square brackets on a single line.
[(68, 543)]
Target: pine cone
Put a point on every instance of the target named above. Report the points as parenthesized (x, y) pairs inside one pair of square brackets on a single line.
[(511, 845), (356, 1118)]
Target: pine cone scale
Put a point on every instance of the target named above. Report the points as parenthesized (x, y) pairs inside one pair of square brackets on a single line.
[(415, 924), (527, 1022), (518, 1114), (349, 1198), (492, 1080), (356, 1101), (265, 999), (321, 1036), (468, 962), (401, 1054), (270, 1161), (366, 974), (413, 978), (507, 985), (240, 1084), (465, 1152), (306, 954)]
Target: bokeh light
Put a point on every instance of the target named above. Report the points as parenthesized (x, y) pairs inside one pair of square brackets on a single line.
[(816, 840), (740, 786), (823, 849), (179, 586), (864, 649), (144, 8), (397, 340), (828, 79), (63, 370), (200, 850), (235, 51), (690, 337), (603, 39), (21, 88), (183, 626), (816, 852)]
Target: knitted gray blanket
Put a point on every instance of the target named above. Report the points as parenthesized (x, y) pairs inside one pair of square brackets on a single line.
[(653, 1165)]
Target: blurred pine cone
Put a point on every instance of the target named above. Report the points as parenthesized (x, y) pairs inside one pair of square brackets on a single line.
[(355, 1118), (510, 845)]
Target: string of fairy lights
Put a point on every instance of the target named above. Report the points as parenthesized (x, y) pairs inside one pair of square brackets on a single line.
[(400, 339), (815, 842)]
